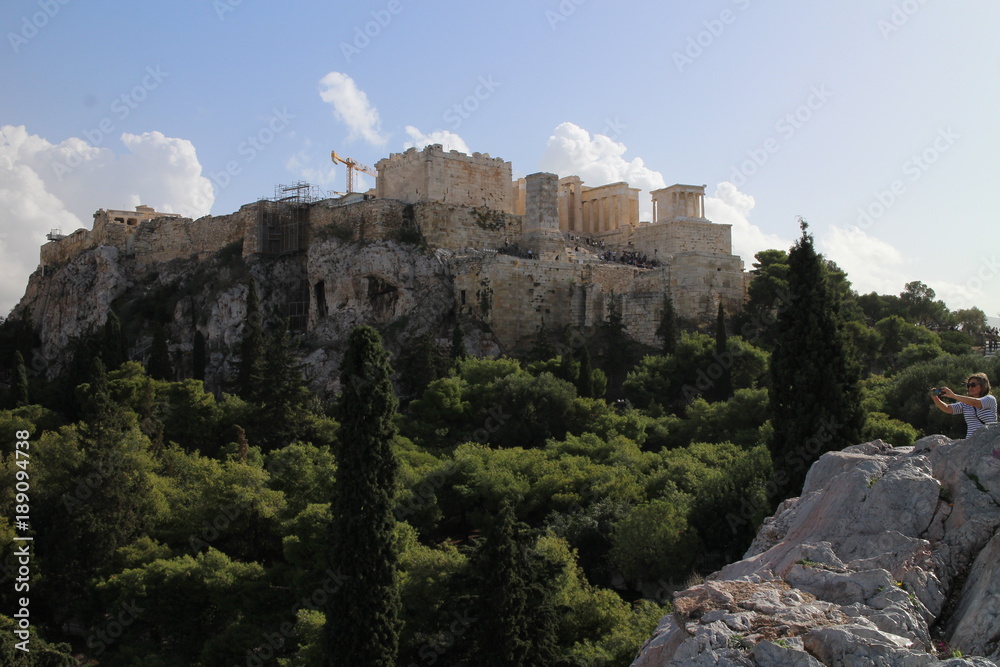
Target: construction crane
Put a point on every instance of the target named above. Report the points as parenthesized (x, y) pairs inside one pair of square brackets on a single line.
[(352, 164)]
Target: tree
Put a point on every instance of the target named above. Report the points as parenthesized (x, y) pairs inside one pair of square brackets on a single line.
[(113, 348), (722, 390), (458, 341), (252, 346), (20, 388), (815, 398), (362, 625), (668, 330), (199, 356), (585, 380), (515, 627), (921, 308), (159, 367)]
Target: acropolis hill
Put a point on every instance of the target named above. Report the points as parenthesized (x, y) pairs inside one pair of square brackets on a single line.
[(443, 235)]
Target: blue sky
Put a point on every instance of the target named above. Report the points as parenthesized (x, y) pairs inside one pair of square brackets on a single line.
[(873, 119)]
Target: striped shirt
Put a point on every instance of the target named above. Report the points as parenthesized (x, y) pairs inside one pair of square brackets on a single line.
[(977, 417)]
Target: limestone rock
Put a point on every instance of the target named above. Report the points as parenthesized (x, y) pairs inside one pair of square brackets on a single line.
[(888, 555)]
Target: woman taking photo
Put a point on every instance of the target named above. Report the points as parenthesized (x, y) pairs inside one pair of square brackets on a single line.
[(979, 407)]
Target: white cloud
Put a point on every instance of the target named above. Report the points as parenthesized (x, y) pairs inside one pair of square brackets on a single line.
[(449, 140), (351, 107), (872, 265), (732, 207), (45, 186), (599, 160)]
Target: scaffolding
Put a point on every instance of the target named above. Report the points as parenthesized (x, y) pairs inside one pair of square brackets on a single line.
[(283, 222)]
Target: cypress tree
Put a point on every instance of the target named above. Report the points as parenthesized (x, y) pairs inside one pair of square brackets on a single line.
[(515, 625), (722, 390), (20, 388), (458, 341), (252, 346), (814, 394), (585, 380), (159, 367), (668, 327), (362, 616), (113, 348), (199, 356)]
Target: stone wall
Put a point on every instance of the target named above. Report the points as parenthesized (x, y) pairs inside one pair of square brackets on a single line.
[(164, 239), (699, 282), (459, 228), (680, 236), (515, 297), (433, 175), (371, 219)]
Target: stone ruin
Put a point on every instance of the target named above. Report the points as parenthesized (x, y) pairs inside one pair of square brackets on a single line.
[(520, 253)]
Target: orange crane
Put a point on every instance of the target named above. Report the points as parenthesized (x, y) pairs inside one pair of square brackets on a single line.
[(352, 164)]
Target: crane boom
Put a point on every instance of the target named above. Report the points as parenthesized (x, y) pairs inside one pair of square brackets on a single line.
[(351, 164)]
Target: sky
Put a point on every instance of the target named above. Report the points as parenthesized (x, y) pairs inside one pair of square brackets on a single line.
[(874, 120)]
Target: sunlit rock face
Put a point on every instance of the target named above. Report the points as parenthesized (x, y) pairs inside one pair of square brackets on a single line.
[(891, 556)]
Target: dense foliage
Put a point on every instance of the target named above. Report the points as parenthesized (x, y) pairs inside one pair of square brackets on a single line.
[(535, 511)]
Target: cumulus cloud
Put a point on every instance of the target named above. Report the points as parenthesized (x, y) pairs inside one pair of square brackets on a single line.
[(352, 108), (732, 207), (872, 265), (598, 160), (45, 186), (449, 140)]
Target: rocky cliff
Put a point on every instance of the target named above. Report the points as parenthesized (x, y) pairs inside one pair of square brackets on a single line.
[(891, 556), (400, 288)]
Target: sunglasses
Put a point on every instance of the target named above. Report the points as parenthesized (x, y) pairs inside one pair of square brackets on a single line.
[(972, 384)]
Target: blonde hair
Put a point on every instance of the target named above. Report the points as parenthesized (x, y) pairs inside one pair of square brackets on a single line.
[(984, 381)]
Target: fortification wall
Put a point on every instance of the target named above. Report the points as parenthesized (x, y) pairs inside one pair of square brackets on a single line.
[(66, 248), (372, 219), (699, 282), (515, 296), (433, 175), (460, 227), (164, 239)]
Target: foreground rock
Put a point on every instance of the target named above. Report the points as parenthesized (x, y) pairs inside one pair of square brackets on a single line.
[(891, 556)]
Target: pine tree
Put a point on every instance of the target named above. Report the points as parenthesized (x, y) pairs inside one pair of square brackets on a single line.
[(362, 617), (668, 327), (722, 389), (159, 367), (20, 387), (252, 347), (814, 394)]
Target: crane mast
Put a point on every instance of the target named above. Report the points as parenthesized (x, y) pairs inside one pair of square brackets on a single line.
[(351, 164)]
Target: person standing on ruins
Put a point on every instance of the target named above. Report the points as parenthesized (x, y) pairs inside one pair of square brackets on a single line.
[(979, 407)]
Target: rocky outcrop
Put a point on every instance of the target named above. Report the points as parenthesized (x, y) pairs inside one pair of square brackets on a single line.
[(891, 556), (403, 290)]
